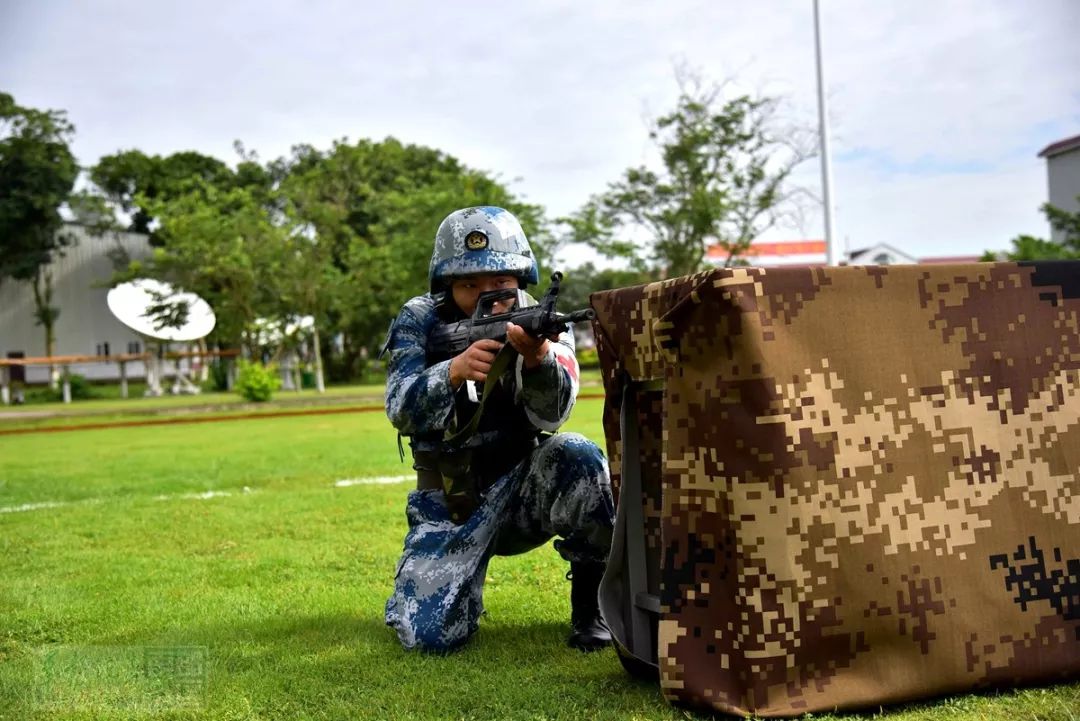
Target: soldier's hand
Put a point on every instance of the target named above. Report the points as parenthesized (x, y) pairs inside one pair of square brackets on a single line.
[(473, 363), (532, 350)]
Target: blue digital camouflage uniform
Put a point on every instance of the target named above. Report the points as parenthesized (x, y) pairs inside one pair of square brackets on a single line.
[(560, 488)]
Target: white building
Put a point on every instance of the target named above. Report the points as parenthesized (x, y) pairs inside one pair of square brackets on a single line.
[(880, 254), (1063, 178), (85, 325)]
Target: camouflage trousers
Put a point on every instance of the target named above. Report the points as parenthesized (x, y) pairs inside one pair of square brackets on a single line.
[(560, 489)]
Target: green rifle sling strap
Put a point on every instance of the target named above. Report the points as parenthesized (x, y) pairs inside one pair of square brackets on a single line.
[(502, 361), (459, 485)]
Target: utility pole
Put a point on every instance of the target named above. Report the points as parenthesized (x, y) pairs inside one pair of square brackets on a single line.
[(832, 249)]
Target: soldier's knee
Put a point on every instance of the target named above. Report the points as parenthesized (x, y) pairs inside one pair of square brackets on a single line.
[(422, 632), (575, 450), (579, 476), (439, 640)]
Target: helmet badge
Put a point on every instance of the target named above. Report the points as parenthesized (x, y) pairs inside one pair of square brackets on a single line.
[(476, 240)]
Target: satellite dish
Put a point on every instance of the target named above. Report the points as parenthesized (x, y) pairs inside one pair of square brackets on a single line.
[(155, 310), (161, 315)]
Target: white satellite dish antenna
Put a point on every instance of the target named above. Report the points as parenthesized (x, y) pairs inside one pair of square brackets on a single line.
[(154, 310), (160, 315)]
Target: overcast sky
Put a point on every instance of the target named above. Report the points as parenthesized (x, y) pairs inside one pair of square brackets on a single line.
[(938, 107)]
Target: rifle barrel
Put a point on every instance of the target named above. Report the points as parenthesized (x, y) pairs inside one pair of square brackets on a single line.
[(578, 316)]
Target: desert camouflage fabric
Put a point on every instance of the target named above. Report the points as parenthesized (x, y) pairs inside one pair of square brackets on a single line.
[(860, 485)]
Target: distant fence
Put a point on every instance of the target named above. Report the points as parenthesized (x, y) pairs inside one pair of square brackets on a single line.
[(65, 362)]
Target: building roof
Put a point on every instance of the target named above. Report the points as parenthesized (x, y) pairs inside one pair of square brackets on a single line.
[(951, 260), (787, 247), (878, 248), (812, 253), (772, 250), (1061, 146)]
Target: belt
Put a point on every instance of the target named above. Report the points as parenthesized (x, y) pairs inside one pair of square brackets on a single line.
[(489, 466)]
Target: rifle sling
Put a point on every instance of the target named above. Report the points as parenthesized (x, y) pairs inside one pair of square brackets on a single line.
[(459, 482), (499, 366)]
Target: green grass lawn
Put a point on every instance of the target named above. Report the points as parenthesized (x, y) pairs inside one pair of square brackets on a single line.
[(280, 580)]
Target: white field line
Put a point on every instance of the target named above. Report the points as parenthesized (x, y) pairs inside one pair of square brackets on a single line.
[(205, 495), (34, 506), (60, 504), (198, 496), (373, 481), (47, 504)]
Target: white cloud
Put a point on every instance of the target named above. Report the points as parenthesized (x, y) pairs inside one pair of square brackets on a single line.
[(938, 108)]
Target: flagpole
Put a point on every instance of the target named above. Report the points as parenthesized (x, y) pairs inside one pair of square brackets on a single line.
[(832, 250)]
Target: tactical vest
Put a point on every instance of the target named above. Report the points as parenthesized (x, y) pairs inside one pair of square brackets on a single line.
[(503, 438)]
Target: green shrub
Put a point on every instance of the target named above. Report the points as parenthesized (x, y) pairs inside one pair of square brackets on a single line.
[(257, 382), (588, 358), (81, 389)]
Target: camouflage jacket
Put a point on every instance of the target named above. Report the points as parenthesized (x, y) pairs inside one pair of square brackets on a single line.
[(421, 403)]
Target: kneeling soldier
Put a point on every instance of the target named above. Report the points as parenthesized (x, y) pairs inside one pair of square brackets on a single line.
[(523, 484)]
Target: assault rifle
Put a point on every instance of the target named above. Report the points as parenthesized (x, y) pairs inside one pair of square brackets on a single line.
[(541, 320)]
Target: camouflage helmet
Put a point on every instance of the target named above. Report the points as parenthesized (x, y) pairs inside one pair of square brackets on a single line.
[(481, 240)]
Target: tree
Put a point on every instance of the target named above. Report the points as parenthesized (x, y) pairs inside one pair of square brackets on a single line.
[(37, 173), (581, 282), (726, 163), (375, 207), (133, 181), (224, 246), (308, 285), (1068, 224), (254, 266), (1027, 247), (343, 235)]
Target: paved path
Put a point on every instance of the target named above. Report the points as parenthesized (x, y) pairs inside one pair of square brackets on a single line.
[(170, 410), (186, 415)]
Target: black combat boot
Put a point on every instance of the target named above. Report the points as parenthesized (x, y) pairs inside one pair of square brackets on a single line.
[(588, 632)]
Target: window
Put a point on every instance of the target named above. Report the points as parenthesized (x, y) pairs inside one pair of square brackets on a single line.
[(133, 347), (17, 374), (883, 259), (103, 348)]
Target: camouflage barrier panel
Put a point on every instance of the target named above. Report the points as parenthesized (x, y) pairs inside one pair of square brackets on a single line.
[(866, 481)]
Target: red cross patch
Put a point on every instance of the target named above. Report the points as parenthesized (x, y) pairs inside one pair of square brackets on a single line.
[(569, 364)]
